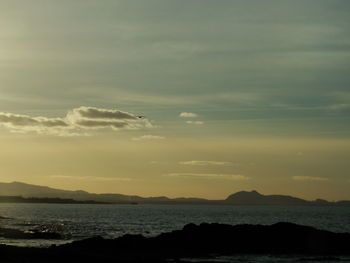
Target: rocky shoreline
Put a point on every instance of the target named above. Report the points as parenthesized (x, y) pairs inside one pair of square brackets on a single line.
[(192, 241), (32, 234)]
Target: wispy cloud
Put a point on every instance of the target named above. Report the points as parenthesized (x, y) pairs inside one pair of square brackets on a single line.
[(90, 178), (23, 124), (341, 106), (95, 118), (233, 177), (148, 137), (76, 122), (204, 163), (309, 178), (195, 122), (188, 115)]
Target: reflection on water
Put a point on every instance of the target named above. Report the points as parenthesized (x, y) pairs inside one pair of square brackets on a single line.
[(77, 221)]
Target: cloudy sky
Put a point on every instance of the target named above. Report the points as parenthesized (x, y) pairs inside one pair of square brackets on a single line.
[(178, 98)]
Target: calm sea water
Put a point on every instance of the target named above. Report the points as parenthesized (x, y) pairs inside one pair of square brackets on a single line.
[(78, 221)]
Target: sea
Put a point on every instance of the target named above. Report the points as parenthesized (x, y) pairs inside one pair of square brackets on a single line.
[(79, 221)]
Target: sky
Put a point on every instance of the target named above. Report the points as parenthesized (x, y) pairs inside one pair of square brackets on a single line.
[(192, 98)]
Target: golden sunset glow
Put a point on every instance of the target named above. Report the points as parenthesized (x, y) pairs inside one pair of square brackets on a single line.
[(134, 98)]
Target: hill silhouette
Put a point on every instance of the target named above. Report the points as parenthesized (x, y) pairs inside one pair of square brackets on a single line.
[(240, 198), (29, 191), (255, 198)]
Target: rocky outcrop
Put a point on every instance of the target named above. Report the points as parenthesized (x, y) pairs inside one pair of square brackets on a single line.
[(193, 241), (34, 234)]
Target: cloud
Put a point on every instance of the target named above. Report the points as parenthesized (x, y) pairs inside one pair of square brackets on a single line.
[(309, 178), (233, 177), (90, 178), (24, 120), (148, 137), (42, 125), (75, 123), (100, 124), (95, 118), (339, 107), (95, 113), (188, 115), (195, 122), (204, 163)]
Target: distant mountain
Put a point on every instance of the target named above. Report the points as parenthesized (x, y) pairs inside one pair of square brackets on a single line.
[(239, 198), (255, 198), (28, 190), (46, 200)]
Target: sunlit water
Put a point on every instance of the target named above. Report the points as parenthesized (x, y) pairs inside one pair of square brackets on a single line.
[(77, 221)]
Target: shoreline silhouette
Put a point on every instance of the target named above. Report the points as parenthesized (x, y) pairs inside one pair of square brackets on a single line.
[(193, 241)]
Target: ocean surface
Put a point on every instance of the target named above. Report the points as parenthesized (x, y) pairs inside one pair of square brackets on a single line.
[(78, 221)]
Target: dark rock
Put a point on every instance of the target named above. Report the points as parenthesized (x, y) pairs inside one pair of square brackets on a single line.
[(196, 241), (320, 259), (18, 234)]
